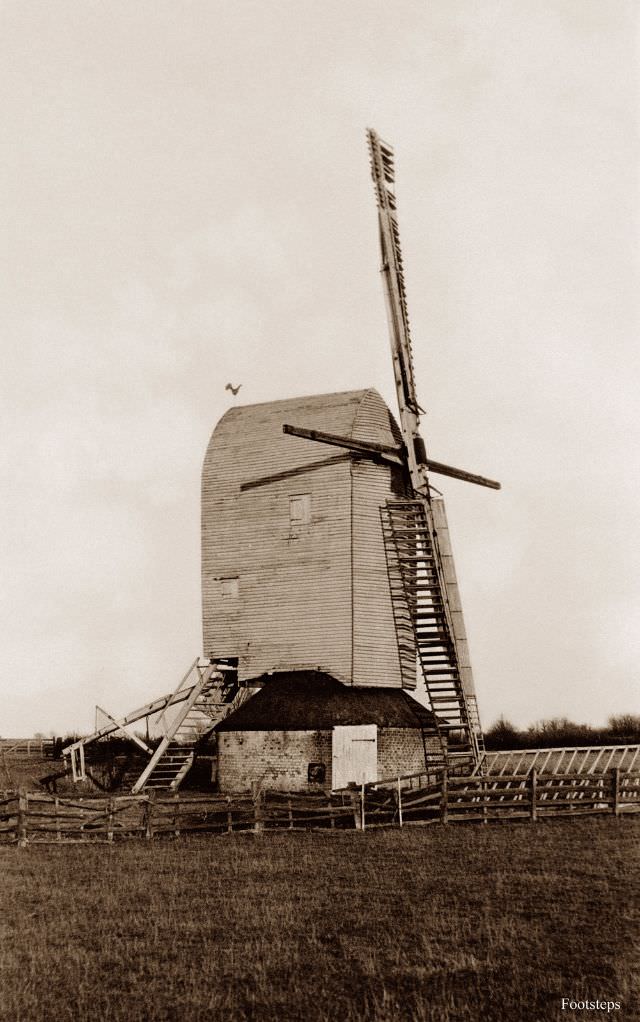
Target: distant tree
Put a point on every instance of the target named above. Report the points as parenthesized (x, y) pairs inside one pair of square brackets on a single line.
[(561, 731), (625, 726), (502, 735), (623, 729)]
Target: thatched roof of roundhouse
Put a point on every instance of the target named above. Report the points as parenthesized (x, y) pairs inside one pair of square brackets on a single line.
[(314, 701)]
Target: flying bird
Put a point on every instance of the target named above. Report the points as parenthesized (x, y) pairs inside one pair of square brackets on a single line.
[(234, 390)]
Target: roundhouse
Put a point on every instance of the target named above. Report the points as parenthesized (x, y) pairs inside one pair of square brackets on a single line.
[(305, 730)]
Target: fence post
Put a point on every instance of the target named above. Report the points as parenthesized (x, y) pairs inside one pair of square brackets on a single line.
[(354, 795), (176, 815), (332, 814), (57, 813), (533, 776), (229, 815), (444, 800), (399, 803), (615, 801), (110, 820), (362, 824), (148, 815), (23, 813), (258, 814)]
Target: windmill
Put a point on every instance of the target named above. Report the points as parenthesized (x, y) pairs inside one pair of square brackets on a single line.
[(328, 588)]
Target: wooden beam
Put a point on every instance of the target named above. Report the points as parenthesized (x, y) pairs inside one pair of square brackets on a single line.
[(460, 473), (395, 455), (291, 473), (123, 731), (144, 711)]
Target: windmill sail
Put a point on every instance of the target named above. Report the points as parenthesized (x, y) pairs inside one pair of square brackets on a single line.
[(383, 173), (422, 576)]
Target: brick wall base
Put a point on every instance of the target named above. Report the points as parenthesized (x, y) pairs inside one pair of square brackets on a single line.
[(280, 760), (272, 759), (400, 751)]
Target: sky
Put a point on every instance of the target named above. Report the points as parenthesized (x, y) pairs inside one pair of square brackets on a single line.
[(186, 202)]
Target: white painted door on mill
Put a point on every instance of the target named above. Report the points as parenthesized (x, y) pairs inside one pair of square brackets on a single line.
[(355, 754)]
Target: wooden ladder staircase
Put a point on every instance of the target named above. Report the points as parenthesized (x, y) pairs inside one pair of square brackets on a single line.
[(212, 695), (420, 603)]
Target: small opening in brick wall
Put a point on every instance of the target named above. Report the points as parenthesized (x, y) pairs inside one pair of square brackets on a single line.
[(316, 773)]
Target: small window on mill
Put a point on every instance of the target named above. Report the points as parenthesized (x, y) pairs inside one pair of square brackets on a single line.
[(299, 515), (229, 588)]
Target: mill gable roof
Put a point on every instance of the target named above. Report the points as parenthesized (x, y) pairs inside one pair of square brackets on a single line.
[(248, 444), (315, 701)]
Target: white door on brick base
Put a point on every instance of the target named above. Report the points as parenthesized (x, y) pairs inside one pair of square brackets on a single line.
[(355, 755)]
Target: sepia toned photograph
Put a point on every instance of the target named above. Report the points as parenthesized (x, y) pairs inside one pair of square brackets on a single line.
[(320, 685)]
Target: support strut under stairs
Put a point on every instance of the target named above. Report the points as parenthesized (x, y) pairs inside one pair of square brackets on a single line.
[(208, 692)]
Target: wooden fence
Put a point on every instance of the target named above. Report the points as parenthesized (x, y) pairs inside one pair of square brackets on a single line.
[(36, 818), (534, 796), (583, 759), (27, 748)]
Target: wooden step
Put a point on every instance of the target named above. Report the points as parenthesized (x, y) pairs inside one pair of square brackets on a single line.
[(416, 592)]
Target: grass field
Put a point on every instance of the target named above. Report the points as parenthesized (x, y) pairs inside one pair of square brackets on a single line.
[(442, 923), (25, 772)]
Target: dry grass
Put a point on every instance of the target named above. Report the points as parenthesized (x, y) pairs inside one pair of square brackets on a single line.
[(25, 771), (442, 923)]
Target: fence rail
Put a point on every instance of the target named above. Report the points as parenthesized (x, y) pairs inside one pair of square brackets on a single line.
[(36, 817), (577, 759), (20, 748)]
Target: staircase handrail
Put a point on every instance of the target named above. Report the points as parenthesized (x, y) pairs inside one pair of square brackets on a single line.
[(179, 718), (162, 719)]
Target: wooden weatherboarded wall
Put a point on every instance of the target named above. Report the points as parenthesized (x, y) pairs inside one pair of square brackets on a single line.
[(293, 567)]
